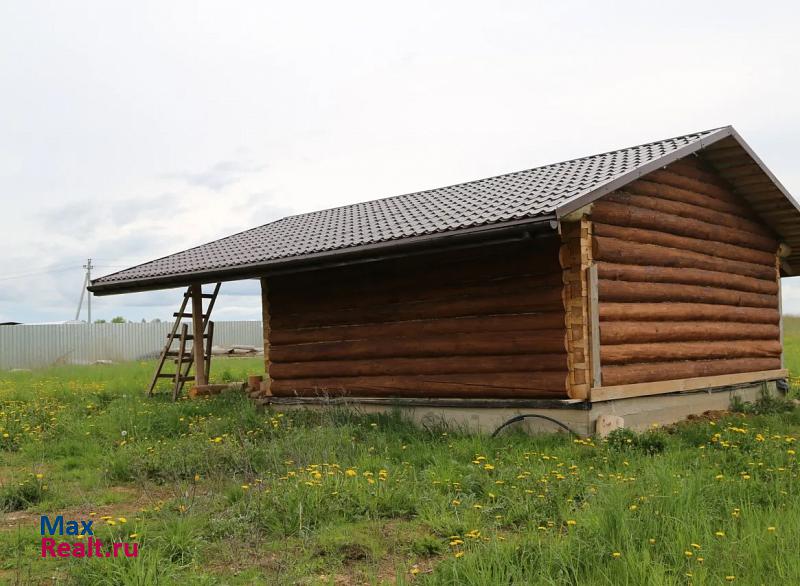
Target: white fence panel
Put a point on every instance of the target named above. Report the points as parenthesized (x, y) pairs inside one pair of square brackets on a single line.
[(32, 346)]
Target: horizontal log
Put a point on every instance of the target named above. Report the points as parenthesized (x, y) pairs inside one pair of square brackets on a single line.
[(718, 249), (701, 172), (544, 300), (673, 178), (630, 332), (688, 210), (639, 253), (629, 291), (643, 187), (417, 366), (383, 331), (658, 371), (701, 277), (472, 265), (500, 385), (686, 312), (541, 342), (667, 351), (610, 212), (415, 292)]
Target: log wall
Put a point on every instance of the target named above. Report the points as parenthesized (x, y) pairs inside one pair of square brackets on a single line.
[(482, 322), (687, 280)]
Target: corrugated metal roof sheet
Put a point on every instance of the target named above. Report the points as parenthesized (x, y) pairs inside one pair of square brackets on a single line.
[(540, 192)]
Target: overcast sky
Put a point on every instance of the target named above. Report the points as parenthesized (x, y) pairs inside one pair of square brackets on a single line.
[(132, 130)]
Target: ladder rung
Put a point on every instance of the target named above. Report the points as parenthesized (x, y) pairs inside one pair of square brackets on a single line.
[(172, 376), (204, 295), (188, 337), (184, 314), (185, 360), (176, 353)]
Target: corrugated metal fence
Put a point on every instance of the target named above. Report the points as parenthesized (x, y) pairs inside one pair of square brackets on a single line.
[(31, 346)]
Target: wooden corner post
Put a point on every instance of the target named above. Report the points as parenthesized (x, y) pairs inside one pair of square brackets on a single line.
[(198, 329), (265, 320), (575, 258)]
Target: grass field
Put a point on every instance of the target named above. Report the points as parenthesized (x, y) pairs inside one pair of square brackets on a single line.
[(217, 492)]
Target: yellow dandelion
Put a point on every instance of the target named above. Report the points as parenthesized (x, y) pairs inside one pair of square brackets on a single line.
[(571, 522), (770, 529), (616, 554), (720, 534), (459, 554), (350, 472)]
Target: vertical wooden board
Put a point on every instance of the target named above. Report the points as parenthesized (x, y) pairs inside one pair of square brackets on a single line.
[(594, 328), (780, 305)]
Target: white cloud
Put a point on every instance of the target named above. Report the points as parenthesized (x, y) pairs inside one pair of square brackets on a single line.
[(133, 131)]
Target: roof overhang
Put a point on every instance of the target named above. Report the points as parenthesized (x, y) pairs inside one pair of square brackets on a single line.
[(747, 175), (499, 233)]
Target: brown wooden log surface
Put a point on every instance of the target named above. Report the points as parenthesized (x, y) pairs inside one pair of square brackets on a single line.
[(629, 291), (690, 211), (640, 373), (629, 332), (544, 300), (701, 277), (505, 385), (433, 270), (718, 249), (706, 350), (381, 331), (686, 312), (700, 171), (674, 178), (637, 253), (610, 212), (416, 366), (409, 292), (540, 342), (643, 187)]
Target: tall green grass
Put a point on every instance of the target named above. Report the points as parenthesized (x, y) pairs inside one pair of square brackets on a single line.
[(219, 492)]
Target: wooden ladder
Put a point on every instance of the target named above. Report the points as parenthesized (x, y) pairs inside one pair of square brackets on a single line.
[(202, 334)]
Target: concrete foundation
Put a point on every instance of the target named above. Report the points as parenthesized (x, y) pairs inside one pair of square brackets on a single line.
[(486, 415)]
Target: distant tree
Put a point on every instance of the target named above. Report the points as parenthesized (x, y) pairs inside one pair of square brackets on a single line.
[(100, 321), (144, 321), (155, 321), (119, 320)]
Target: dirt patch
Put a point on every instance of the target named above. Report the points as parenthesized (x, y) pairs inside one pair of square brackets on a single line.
[(132, 501)]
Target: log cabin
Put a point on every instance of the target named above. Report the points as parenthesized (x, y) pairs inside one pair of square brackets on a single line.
[(589, 286)]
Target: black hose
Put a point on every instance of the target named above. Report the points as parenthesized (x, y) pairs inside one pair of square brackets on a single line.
[(526, 415)]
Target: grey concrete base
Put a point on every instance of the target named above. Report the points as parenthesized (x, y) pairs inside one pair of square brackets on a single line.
[(486, 415)]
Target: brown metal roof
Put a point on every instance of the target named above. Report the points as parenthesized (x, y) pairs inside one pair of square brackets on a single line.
[(516, 199)]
